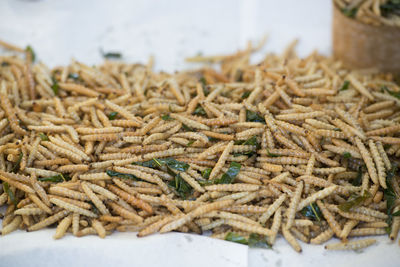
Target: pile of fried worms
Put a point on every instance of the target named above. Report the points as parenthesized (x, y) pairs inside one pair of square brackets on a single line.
[(302, 148)]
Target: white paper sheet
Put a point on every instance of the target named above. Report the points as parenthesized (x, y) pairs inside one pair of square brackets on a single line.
[(120, 249), (169, 30), (384, 253)]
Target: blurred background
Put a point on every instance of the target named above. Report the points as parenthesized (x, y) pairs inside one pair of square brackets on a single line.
[(168, 29)]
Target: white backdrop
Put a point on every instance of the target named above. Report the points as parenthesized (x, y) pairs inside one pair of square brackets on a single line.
[(169, 30)]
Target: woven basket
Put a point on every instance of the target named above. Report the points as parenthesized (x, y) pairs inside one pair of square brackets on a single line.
[(359, 45)]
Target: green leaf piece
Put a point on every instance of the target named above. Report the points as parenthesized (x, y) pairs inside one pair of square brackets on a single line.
[(236, 238), (349, 12), (392, 93), (6, 188), (252, 116), (206, 173), (252, 141), (170, 162), (312, 212), (230, 175), (74, 76), (199, 111), (346, 155), (112, 173), (354, 201), (166, 117), (17, 164), (357, 181), (55, 179), (258, 241), (112, 115), (269, 154), (190, 143), (55, 87), (187, 128), (246, 94), (345, 85), (43, 137), (30, 50), (182, 188)]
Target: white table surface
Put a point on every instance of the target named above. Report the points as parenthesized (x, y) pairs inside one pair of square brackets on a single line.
[(59, 30)]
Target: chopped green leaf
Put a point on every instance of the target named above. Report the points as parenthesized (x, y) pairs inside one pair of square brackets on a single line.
[(345, 86), (357, 181), (389, 194), (174, 164), (157, 162), (206, 173), (246, 94), (190, 143), (29, 49), (254, 240), (239, 142), (187, 128), (258, 241), (55, 87), (148, 164), (199, 111), (112, 173), (112, 115), (203, 81), (391, 7), (170, 162), (230, 175), (181, 186), (254, 117), (55, 179), (397, 213), (269, 154), (312, 212), (6, 188), (337, 129), (205, 182), (349, 12), (43, 137), (166, 117), (17, 164), (354, 201), (206, 90), (252, 141), (110, 55), (236, 238), (392, 93), (346, 155), (94, 208), (74, 76)]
